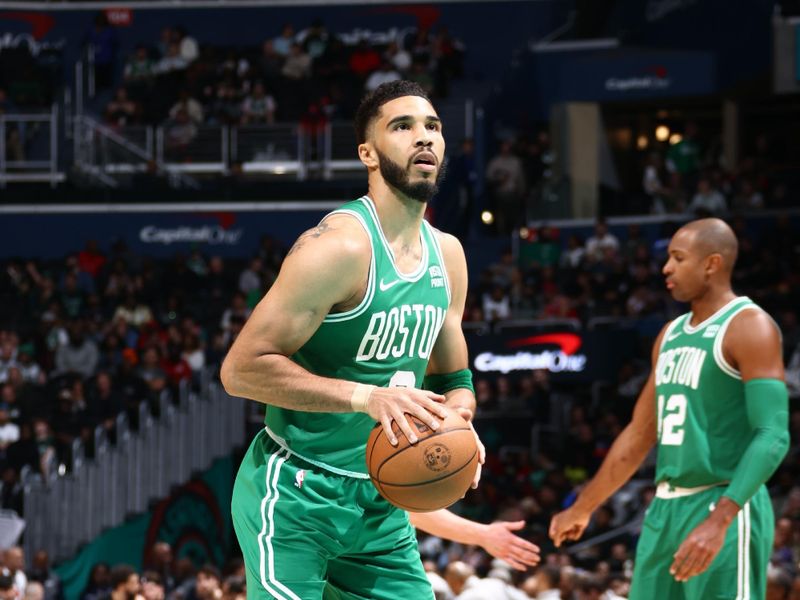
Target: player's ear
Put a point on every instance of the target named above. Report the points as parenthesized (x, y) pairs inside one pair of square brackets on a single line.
[(367, 154), (714, 263)]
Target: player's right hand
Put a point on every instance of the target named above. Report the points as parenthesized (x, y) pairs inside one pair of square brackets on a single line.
[(568, 525), (386, 405)]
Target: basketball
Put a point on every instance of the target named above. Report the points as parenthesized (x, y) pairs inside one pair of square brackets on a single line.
[(431, 474)]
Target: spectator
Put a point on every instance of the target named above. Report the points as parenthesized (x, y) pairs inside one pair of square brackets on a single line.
[(8, 590), (99, 585), (189, 50), (133, 312), (315, 39), (191, 106), (151, 371), (657, 192), (42, 573), (121, 111), (9, 432), (398, 57), (384, 74), (506, 181), (283, 43), (258, 106), (297, 65), (250, 277), (496, 305), (601, 242), (172, 61), (208, 584), (105, 402), (748, 197), (707, 201), (181, 133), (79, 356), (14, 561), (102, 41), (683, 158), (270, 63), (139, 69), (497, 586), (35, 591), (125, 583), (364, 60), (459, 576), (152, 586)]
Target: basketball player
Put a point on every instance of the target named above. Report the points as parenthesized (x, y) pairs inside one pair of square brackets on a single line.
[(366, 306), (716, 406)]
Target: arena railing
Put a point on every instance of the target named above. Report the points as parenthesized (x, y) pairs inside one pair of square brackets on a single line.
[(171, 443), (25, 134)]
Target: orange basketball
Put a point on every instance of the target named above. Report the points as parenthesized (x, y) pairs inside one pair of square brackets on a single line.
[(431, 474)]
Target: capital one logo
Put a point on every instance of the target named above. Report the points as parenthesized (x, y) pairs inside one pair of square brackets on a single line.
[(555, 352)]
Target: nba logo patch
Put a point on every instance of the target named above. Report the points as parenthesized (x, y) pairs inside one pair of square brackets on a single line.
[(299, 477), (711, 331)]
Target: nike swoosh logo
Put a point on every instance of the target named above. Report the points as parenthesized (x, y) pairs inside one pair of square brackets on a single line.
[(673, 336), (386, 286)]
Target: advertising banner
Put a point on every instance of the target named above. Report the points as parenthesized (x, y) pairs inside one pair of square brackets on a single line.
[(570, 357)]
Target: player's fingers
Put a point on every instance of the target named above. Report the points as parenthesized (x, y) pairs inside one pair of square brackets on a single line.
[(683, 558), (386, 423), (405, 427), (436, 408), (439, 398), (514, 525), (425, 412), (476, 480), (515, 564)]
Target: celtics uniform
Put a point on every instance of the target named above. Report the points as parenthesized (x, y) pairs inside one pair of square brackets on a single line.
[(309, 521), (703, 432)]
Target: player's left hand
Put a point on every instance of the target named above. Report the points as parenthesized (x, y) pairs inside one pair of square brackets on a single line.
[(698, 550), (467, 415), (499, 541)]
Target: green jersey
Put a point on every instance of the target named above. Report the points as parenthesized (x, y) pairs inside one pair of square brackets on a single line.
[(703, 429), (385, 341)]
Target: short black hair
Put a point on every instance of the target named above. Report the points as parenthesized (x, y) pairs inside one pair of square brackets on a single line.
[(371, 104), (120, 575), (6, 582)]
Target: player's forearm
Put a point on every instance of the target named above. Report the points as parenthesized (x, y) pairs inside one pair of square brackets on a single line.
[(277, 380), (624, 458), (447, 525)]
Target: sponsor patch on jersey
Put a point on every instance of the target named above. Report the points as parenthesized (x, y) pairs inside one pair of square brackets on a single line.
[(299, 477), (711, 331), (437, 278)]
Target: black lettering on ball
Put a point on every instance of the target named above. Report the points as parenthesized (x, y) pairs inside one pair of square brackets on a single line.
[(437, 457)]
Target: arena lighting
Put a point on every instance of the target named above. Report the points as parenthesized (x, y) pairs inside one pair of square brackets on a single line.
[(487, 217), (675, 138), (642, 142), (662, 133)]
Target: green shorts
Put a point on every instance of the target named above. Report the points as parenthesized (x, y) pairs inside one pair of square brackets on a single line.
[(738, 572), (307, 533)]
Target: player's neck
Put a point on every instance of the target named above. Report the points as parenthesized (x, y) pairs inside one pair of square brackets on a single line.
[(709, 303), (400, 216)]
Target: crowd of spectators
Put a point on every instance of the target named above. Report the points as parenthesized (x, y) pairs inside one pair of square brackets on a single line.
[(303, 76), (685, 176), (92, 336)]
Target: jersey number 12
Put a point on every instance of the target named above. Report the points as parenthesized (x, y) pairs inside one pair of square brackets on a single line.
[(670, 425)]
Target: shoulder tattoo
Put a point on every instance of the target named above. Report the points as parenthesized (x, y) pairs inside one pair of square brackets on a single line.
[(316, 232)]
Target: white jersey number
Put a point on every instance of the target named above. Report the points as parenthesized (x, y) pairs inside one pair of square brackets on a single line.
[(671, 418), (404, 379)]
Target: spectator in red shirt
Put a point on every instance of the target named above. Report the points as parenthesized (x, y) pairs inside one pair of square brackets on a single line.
[(364, 60), (175, 366)]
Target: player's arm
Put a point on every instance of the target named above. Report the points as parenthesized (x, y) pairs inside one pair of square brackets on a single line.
[(752, 345), (326, 267), (624, 458), (448, 368), (496, 538)]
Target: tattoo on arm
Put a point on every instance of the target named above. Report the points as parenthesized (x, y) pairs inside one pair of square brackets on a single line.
[(311, 233)]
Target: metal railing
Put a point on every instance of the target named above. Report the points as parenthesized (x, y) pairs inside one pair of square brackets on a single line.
[(183, 438), (29, 147)]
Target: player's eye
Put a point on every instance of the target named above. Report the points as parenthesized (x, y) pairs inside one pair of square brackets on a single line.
[(401, 126)]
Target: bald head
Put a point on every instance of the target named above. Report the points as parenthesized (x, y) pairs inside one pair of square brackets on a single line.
[(713, 236), (456, 575)]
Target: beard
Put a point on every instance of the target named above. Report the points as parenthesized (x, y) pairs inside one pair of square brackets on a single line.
[(400, 179)]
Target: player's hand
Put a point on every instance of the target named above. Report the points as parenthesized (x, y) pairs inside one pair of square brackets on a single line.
[(467, 415), (568, 525), (387, 405), (518, 552), (699, 549)]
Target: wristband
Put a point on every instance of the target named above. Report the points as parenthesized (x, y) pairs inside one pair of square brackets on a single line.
[(360, 397)]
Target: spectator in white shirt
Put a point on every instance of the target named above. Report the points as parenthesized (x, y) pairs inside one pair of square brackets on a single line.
[(707, 201), (602, 241), (9, 432), (384, 74)]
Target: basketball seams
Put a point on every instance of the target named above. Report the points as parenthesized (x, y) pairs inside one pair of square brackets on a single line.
[(427, 481)]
